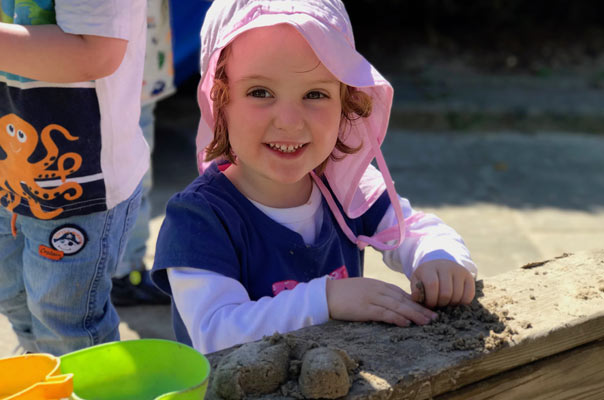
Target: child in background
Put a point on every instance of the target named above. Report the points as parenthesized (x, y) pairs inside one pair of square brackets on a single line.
[(166, 65), (132, 283), (73, 157), (270, 237)]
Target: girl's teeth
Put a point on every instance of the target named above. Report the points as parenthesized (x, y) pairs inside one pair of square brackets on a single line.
[(285, 148)]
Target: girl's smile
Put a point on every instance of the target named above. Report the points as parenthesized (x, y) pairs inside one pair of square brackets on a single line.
[(286, 148), (283, 114)]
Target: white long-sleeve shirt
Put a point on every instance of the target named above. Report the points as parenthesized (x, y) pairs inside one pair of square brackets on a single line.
[(218, 312)]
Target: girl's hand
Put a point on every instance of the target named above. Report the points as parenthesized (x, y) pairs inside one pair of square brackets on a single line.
[(445, 283), (365, 299)]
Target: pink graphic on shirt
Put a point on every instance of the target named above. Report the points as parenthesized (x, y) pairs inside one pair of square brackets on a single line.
[(340, 273), (278, 287)]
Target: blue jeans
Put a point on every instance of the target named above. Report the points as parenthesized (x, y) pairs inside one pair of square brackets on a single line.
[(137, 244), (58, 306)]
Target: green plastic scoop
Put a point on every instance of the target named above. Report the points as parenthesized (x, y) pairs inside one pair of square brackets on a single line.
[(145, 369)]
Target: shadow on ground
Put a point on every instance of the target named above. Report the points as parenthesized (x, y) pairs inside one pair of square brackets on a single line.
[(564, 171)]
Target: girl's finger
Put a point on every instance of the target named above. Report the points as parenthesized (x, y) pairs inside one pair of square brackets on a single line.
[(420, 309), (403, 297), (406, 308), (385, 314), (469, 290), (418, 292), (416, 313), (445, 288), (458, 289), (432, 287)]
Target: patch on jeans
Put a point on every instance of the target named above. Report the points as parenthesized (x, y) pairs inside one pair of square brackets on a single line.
[(69, 239), (49, 253)]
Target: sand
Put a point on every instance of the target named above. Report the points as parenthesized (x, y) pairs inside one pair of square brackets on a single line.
[(376, 360), (260, 368)]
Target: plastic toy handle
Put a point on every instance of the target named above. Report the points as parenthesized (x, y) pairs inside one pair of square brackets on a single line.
[(55, 387)]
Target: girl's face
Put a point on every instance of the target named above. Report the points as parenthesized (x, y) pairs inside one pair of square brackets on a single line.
[(283, 114)]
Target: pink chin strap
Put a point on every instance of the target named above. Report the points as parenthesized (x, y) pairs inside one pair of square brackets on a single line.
[(380, 239)]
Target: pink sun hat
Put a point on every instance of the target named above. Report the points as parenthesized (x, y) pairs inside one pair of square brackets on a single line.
[(326, 27)]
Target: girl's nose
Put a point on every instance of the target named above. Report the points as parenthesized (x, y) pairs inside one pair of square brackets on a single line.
[(289, 117)]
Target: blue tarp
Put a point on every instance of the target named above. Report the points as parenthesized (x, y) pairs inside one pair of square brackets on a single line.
[(187, 17)]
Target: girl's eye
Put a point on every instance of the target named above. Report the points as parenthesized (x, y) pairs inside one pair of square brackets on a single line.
[(315, 95), (261, 93)]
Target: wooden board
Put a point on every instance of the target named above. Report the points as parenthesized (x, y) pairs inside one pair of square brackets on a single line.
[(518, 318), (576, 374)]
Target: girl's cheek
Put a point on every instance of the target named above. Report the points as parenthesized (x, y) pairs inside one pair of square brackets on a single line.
[(255, 115), (328, 116), (242, 111)]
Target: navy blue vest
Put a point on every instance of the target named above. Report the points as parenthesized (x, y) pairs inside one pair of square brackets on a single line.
[(211, 225)]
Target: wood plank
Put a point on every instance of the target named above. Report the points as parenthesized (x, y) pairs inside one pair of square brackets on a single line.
[(517, 318), (525, 351), (576, 374)]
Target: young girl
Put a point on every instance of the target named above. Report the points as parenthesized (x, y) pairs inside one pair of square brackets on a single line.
[(270, 237)]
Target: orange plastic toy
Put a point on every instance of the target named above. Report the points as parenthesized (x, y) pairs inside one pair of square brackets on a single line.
[(33, 377)]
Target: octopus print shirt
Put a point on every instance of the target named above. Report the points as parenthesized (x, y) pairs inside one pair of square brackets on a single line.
[(75, 148)]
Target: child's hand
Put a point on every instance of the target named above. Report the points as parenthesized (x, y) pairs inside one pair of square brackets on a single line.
[(365, 299), (445, 283)]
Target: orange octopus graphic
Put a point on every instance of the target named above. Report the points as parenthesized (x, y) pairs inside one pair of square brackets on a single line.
[(18, 175)]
